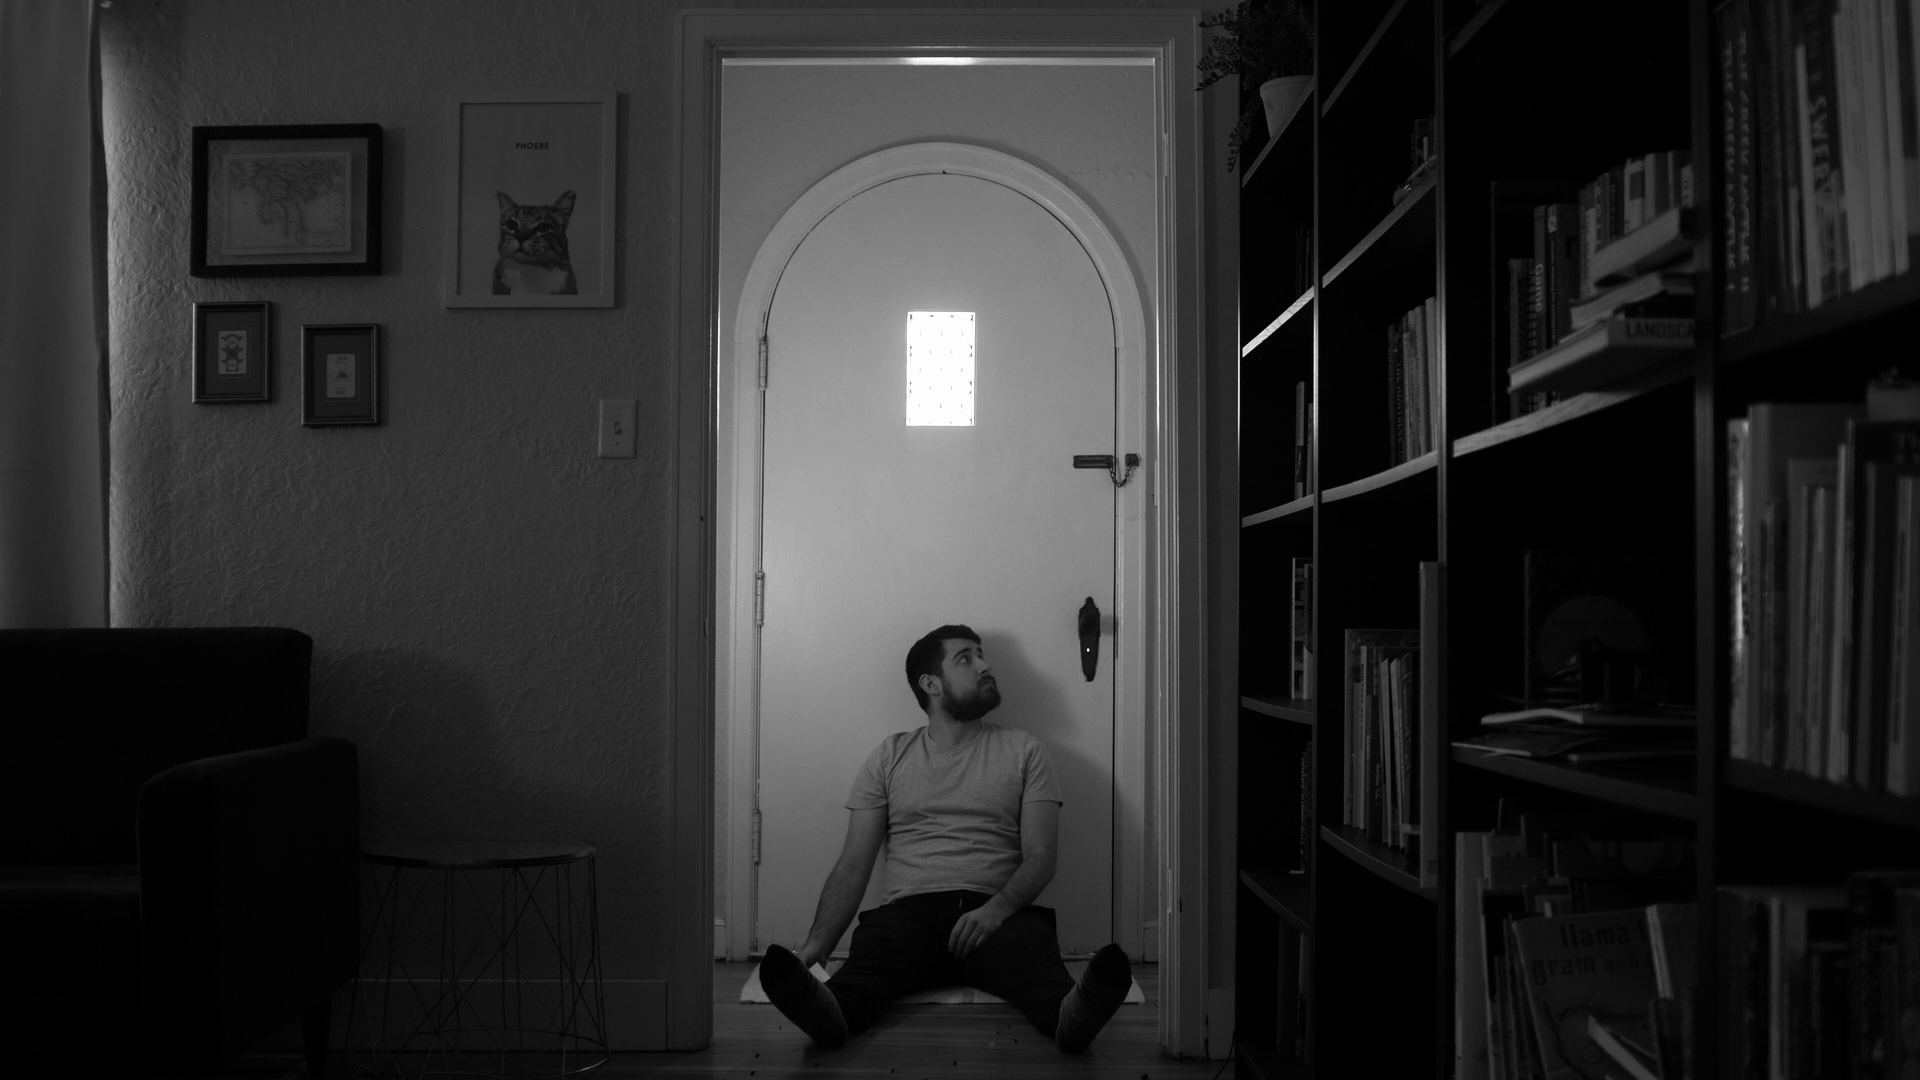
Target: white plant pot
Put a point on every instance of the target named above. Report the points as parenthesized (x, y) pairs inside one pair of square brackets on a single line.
[(1282, 98)]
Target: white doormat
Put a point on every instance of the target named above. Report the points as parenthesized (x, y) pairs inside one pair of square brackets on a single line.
[(752, 994)]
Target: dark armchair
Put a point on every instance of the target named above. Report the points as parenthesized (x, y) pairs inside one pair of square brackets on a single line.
[(179, 863)]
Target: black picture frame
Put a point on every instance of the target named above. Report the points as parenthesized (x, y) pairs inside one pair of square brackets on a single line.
[(246, 226), (339, 374), (232, 352)]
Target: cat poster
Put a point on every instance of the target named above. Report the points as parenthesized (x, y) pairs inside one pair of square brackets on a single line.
[(532, 201)]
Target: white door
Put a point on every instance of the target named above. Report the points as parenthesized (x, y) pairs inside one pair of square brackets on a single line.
[(877, 531)]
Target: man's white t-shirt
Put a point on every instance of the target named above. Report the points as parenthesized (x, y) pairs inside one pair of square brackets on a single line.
[(953, 813)]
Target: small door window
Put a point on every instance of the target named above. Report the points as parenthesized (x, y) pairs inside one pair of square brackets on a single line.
[(939, 369)]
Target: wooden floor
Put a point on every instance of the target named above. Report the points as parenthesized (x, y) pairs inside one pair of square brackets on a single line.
[(915, 1042)]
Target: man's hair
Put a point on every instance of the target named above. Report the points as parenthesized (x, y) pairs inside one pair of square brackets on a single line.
[(929, 652)]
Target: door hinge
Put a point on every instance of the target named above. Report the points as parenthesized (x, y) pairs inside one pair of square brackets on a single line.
[(759, 599), (756, 836), (763, 361)]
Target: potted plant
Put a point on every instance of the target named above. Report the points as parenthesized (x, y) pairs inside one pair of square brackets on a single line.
[(1269, 45)]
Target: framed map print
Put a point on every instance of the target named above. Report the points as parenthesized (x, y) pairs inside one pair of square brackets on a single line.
[(532, 201), (286, 200), (232, 354)]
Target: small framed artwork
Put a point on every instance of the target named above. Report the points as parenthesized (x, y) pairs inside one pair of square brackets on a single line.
[(286, 200), (340, 374), (532, 202), (232, 352)]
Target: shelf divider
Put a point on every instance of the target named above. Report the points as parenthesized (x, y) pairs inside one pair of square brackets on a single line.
[(1298, 710), (1656, 790), (1393, 866), (1293, 309), (1666, 373), (1424, 463), (1285, 509), (1414, 198), (1903, 811), (1360, 58), (1287, 894)]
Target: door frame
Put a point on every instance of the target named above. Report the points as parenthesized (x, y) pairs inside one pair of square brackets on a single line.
[(739, 525), (1173, 522)]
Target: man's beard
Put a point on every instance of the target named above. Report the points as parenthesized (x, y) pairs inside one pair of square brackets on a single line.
[(984, 699)]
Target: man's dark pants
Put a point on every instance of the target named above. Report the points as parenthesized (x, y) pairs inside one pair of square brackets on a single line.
[(901, 948)]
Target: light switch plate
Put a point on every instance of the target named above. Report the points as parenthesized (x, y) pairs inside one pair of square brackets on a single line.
[(617, 417)]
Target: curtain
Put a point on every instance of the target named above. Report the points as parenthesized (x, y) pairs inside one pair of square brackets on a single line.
[(53, 422)]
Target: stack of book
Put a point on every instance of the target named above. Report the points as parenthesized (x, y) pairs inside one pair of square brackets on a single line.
[(1818, 128), (1300, 643), (1585, 734), (1411, 380), (1381, 796), (1608, 289), (1824, 501), (1302, 442), (1822, 981), (1575, 954)]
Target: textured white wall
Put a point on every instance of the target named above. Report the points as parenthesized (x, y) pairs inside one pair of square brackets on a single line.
[(488, 599)]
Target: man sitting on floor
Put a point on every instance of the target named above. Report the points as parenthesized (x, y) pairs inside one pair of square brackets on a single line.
[(969, 812)]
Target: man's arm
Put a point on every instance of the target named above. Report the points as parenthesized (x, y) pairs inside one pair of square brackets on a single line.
[(1039, 830), (840, 897)]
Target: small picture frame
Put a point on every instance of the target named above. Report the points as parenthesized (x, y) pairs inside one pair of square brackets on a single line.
[(340, 374), (286, 200), (232, 352), (532, 203)]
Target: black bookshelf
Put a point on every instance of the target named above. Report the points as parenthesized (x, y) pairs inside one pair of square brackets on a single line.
[(1525, 95)]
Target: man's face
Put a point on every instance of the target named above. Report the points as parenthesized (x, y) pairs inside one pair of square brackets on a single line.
[(966, 682)]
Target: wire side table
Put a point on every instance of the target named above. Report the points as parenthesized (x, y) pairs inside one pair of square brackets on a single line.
[(483, 961)]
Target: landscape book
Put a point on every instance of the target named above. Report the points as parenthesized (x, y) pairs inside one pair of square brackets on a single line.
[(1610, 349)]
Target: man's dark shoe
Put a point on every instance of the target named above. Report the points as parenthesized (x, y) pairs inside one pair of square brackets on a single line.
[(1091, 1003), (806, 1000)]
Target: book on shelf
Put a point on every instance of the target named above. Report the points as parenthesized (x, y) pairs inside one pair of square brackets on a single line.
[(1819, 130), (1767, 440), (1602, 352), (1380, 734), (1521, 317), (1567, 918), (1410, 381), (1879, 1006), (1663, 238), (1302, 442), (1819, 981), (1300, 639), (1825, 575), (1769, 939), (1605, 289)]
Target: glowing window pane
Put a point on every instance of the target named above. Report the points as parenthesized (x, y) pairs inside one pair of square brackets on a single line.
[(939, 369)]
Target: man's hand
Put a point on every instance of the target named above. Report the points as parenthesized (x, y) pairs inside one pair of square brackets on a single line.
[(973, 929)]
